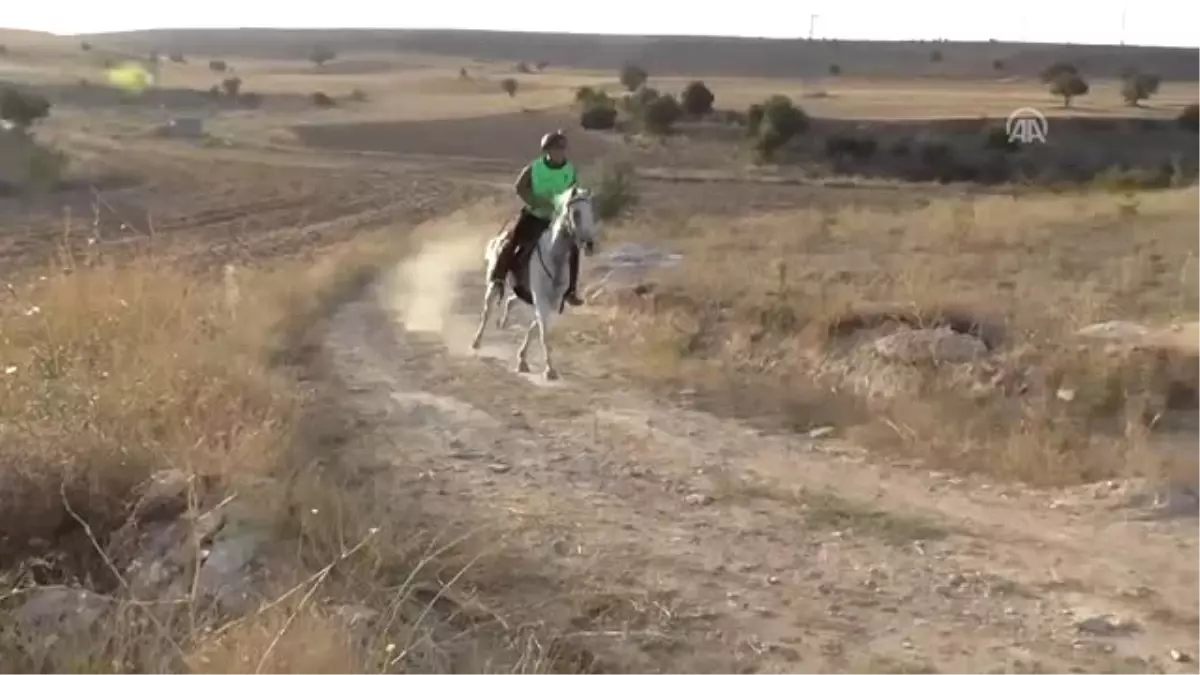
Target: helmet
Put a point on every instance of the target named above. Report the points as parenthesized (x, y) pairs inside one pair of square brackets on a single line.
[(553, 139)]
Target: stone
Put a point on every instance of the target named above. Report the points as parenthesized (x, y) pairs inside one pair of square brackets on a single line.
[(930, 344), (58, 610)]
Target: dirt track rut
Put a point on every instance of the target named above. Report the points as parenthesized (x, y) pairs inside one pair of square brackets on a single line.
[(672, 540)]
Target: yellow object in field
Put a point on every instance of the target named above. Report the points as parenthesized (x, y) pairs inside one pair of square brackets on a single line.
[(130, 76)]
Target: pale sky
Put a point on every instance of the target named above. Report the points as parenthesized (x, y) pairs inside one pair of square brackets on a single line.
[(1146, 22)]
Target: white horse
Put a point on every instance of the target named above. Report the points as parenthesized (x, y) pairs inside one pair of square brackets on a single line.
[(545, 273)]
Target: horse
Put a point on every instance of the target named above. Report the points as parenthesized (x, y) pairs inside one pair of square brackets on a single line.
[(540, 273)]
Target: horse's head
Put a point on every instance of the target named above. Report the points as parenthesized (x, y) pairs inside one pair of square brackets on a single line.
[(579, 218)]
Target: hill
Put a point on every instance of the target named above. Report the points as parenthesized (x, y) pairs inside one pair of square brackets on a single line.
[(713, 56)]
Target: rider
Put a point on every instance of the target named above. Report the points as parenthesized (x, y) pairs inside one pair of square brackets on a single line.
[(539, 183)]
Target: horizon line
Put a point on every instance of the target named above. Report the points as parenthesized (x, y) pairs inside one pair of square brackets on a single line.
[(651, 36)]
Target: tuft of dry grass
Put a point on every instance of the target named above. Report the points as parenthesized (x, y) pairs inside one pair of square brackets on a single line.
[(783, 303)]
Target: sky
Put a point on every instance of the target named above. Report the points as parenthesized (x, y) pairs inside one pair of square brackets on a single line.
[(1146, 22)]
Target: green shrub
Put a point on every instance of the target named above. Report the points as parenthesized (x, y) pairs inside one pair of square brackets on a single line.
[(697, 99), (22, 109), (660, 114), (616, 191)]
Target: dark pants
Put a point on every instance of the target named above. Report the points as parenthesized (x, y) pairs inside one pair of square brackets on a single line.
[(524, 234)]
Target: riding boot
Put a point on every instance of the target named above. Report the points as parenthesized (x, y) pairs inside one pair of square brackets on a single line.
[(572, 296)]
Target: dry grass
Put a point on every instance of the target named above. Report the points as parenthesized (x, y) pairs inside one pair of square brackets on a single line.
[(762, 303), (113, 370)]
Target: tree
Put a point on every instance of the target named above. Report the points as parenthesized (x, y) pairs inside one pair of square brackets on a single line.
[(697, 99), (218, 66), (997, 64), (835, 69), (1189, 118), (321, 55), (1137, 87), (1068, 86), (1057, 69), (231, 86), (633, 77), (935, 56), (85, 46), (22, 110), (509, 85), (778, 122), (660, 114)]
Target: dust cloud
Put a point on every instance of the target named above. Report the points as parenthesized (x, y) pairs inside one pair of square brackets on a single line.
[(424, 291)]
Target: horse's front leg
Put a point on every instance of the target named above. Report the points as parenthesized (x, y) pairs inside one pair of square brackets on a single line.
[(542, 321), (493, 293), (523, 351)]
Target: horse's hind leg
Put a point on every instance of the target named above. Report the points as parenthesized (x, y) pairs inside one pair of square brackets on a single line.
[(494, 292), (502, 323)]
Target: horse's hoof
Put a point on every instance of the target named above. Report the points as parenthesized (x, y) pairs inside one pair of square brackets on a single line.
[(475, 345), (550, 374), (522, 367)]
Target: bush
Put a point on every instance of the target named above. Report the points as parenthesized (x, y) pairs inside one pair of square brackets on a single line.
[(616, 191), (853, 147), (598, 116), (321, 55), (1189, 118), (523, 67), (359, 95), (1137, 87), (323, 100), (935, 56), (231, 86), (541, 65), (778, 121), (250, 100), (835, 69), (997, 64), (509, 85), (586, 96), (22, 109), (754, 118), (638, 100), (633, 77), (660, 115), (218, 66), (697, 99), (177, 57), (997, 138)]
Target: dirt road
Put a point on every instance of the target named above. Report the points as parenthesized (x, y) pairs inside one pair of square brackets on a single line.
[(670, 540)]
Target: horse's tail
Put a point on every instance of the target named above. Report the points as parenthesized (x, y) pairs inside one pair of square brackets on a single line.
[(506, 224)]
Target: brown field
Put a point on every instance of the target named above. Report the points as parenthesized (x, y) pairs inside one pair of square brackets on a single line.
[(854, 428)]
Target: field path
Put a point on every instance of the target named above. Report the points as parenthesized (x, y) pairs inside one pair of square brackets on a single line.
[(666, 539)]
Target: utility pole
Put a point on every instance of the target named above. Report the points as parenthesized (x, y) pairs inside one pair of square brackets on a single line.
[(1124, 9), (812, 25)]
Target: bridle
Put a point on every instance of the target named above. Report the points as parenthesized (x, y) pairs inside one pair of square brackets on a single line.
[(568, 223)]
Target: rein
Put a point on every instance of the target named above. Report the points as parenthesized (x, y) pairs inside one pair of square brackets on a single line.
[(541, 259)]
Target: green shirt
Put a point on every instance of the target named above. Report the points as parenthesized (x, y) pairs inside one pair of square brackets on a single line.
[(549, 183)]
